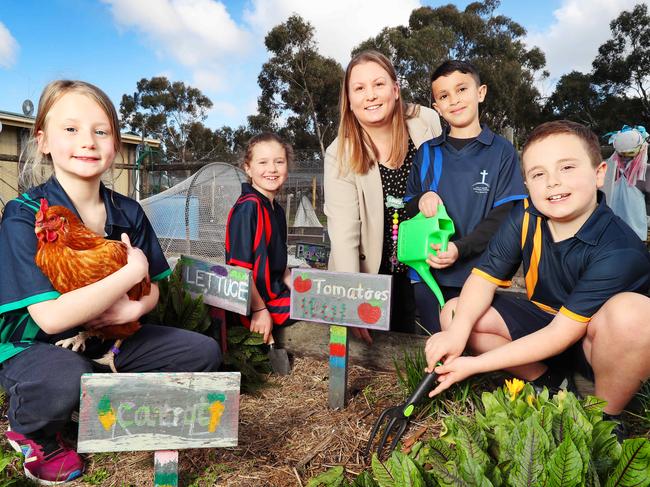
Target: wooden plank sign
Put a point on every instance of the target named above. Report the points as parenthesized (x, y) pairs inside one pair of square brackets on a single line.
[(341, 298), (316, 255), (158, 411), (223, 286)]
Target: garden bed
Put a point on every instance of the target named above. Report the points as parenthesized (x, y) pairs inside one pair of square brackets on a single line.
[(287, 434)]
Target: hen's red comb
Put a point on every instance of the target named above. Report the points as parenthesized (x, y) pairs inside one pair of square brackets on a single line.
[(40, 214)]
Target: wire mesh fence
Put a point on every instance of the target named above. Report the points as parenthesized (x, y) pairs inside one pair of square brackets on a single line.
[(189, 215)]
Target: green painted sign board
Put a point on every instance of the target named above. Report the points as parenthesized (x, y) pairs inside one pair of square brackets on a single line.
[(158, 411), (223, 286), (341, 298)]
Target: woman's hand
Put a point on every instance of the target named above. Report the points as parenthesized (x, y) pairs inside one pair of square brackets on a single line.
[(428, 204), (455, 371), (136, 260), (122, 311), (261, 322), (441, 260)]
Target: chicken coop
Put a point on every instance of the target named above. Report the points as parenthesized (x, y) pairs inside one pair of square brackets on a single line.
[(190, 217)]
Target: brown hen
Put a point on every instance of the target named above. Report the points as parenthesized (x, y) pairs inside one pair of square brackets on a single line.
[(72, 256)]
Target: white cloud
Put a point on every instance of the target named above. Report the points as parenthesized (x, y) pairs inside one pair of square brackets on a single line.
[(198, 34), (208, 80), (571, 42), (224, 108), (339, 24), (8, 48)]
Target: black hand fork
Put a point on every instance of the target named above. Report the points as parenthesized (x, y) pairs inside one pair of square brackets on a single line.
[(399, 416)]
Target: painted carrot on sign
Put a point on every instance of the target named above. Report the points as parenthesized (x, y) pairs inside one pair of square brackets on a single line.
[(105, 412), (216, 410)]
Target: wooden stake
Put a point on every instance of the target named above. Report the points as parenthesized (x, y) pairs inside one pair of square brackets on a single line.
[(165, 468), (338, 367)]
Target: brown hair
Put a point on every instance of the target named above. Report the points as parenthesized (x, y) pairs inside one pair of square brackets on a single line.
[(32, 172), (356, 150), (558, 127), (266, 137)]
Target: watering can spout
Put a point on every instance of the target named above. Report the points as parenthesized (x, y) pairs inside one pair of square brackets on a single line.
[(414, 241)]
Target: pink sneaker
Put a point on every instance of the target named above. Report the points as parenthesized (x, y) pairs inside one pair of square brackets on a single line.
[(47, 461)]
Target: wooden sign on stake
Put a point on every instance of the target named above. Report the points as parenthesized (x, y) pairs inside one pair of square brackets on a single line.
[(158, 411), (223, 286), (342, 299)]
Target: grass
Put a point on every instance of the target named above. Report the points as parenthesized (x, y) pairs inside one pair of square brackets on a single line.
[(461, 397), (211, 475), (644, 399)]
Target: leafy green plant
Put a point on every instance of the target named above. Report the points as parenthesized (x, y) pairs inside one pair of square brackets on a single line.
[(519, 439), (176, 307), (11, 469), (97, 477), (247, 354)]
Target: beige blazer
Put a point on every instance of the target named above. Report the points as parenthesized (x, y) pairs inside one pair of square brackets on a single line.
[(354, 204)]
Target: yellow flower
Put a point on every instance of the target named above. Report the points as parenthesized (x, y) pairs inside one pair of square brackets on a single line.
[(514, 387), (530, 399)]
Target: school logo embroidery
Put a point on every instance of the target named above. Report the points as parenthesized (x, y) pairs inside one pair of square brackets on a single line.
[(481, 187)]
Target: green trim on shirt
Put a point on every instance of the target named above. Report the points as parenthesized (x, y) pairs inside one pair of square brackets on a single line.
[(23, 303), (162, 275)]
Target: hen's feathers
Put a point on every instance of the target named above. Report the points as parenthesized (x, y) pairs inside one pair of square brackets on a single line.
[(77, 257)]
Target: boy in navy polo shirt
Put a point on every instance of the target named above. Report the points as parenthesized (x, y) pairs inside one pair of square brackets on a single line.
[(585, 270), (472, 170)]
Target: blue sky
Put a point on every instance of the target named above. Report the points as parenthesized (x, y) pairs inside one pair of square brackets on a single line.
[(218, 45)]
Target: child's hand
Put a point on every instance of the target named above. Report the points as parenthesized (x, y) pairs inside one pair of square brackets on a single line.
[(443, 259), (362, 334), (455, 371), (428, 204), (443, 346), (136, 259), (122, 311), (261, 322)]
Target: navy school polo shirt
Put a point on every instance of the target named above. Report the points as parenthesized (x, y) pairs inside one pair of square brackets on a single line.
[(22, 283), (575, 276), (471, 182)]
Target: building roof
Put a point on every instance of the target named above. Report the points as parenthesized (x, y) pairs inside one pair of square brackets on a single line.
[(19, 120)]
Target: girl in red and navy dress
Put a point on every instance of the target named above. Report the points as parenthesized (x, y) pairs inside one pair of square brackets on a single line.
[(256, 233)]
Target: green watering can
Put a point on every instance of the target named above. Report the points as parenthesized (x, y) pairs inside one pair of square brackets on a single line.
[(414, 241)]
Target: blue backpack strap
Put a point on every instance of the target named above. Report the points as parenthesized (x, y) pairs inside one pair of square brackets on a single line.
[(437, 168), (24, 199)]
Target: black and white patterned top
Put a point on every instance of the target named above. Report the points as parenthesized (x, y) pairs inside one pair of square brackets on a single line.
[(393, 182)]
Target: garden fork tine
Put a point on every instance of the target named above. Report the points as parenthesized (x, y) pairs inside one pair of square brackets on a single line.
[(399, 415), (392, 411)]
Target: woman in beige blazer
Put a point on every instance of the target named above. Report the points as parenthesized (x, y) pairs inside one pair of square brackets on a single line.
[(374, 130)]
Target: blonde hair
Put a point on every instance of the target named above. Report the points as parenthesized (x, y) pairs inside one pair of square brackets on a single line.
[(357, 152), (33, 160)]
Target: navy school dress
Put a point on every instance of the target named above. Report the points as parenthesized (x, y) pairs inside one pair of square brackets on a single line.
[(256, 239)]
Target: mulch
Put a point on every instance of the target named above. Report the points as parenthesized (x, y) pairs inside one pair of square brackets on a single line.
[(287, 435)]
